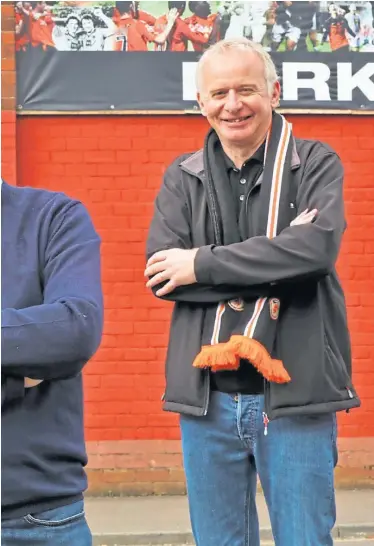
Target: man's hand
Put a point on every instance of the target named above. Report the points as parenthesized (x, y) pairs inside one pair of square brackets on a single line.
[(177, 266), (32, 382), (172, 16), (305, 217)]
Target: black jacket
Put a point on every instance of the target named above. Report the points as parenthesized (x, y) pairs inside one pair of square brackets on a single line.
[(298, 265)]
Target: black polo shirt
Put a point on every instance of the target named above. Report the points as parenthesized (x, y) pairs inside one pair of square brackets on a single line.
[(246, 380), (242, 180)]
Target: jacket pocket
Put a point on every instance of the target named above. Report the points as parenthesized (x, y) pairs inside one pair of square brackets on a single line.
[(336, 374), (57, 517)]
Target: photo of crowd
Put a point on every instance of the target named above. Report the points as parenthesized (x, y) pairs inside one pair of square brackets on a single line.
[(193, 26)]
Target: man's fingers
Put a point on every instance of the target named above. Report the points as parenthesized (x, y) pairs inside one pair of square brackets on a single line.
[(157, 279), (32, 382), (304, 218), (311, 215), (169, 287), (157, 257), (155, 268)]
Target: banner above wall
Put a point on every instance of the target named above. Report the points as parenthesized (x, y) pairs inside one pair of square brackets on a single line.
[(134, 56)]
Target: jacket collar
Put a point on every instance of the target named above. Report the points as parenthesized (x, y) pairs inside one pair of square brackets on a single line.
[(194, 164)]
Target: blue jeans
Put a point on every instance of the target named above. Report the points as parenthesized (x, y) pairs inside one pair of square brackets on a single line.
[(225, 451), (63, 526)]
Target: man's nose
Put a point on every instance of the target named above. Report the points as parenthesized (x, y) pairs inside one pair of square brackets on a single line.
[(233, 102)]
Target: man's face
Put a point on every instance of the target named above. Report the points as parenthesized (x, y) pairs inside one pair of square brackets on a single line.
[(333, 11), (202, 9), (88, 25), (72, 27), (18, 7), (234, 97)]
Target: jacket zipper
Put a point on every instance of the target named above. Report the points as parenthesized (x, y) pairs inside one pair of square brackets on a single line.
[(207, 393), (265, 417), (217, 235)]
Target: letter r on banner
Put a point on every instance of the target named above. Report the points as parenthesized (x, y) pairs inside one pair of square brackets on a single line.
[(291, 82)]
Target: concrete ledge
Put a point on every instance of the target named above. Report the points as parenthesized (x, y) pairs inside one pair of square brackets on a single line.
[(362, 531)]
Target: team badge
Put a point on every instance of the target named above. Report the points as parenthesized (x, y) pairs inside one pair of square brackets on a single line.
[(237, 304), (274, 304)]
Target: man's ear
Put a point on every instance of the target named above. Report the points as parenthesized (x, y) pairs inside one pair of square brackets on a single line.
[(275, 95), (201, 104)]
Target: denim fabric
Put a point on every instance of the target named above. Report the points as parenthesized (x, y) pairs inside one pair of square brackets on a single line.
[(294, 457), (63, 526)]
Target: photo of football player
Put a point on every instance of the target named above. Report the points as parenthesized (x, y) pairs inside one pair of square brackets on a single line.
[(237, 19), (93, 38), (203, 21), (354, 22), (42, 26), (181, 34), (23, 25), (285, 28), (367, 25), (133, 34), (258, 18), (336, 29), (69, 36), (305, 16), (144, 16)]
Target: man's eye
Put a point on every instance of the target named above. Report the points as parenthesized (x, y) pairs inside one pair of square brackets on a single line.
[(247, 91), (218, 94)]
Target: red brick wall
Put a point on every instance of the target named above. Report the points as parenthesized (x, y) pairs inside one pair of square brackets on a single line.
[(115, 165), (8, 94)]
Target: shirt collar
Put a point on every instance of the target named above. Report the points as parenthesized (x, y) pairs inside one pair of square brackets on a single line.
[(258, 157)]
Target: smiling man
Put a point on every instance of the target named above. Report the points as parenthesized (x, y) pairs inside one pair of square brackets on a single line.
[(244, 240)]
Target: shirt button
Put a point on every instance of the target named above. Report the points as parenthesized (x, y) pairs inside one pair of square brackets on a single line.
[(241, 198), (242, 181)]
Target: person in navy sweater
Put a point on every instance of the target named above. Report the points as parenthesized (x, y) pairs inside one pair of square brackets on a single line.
[(51, 325)]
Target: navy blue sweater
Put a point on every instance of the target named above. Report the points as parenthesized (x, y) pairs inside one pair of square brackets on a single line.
[(51, 325)]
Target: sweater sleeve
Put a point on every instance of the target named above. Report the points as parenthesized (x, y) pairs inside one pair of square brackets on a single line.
[(55, 339)]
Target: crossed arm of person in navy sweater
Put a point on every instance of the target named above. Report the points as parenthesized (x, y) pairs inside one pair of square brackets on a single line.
[(49, 333)]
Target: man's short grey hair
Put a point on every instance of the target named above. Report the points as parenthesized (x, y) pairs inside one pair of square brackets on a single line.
[(239, 44)]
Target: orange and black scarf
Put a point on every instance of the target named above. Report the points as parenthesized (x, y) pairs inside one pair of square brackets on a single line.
[(240, 329)]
